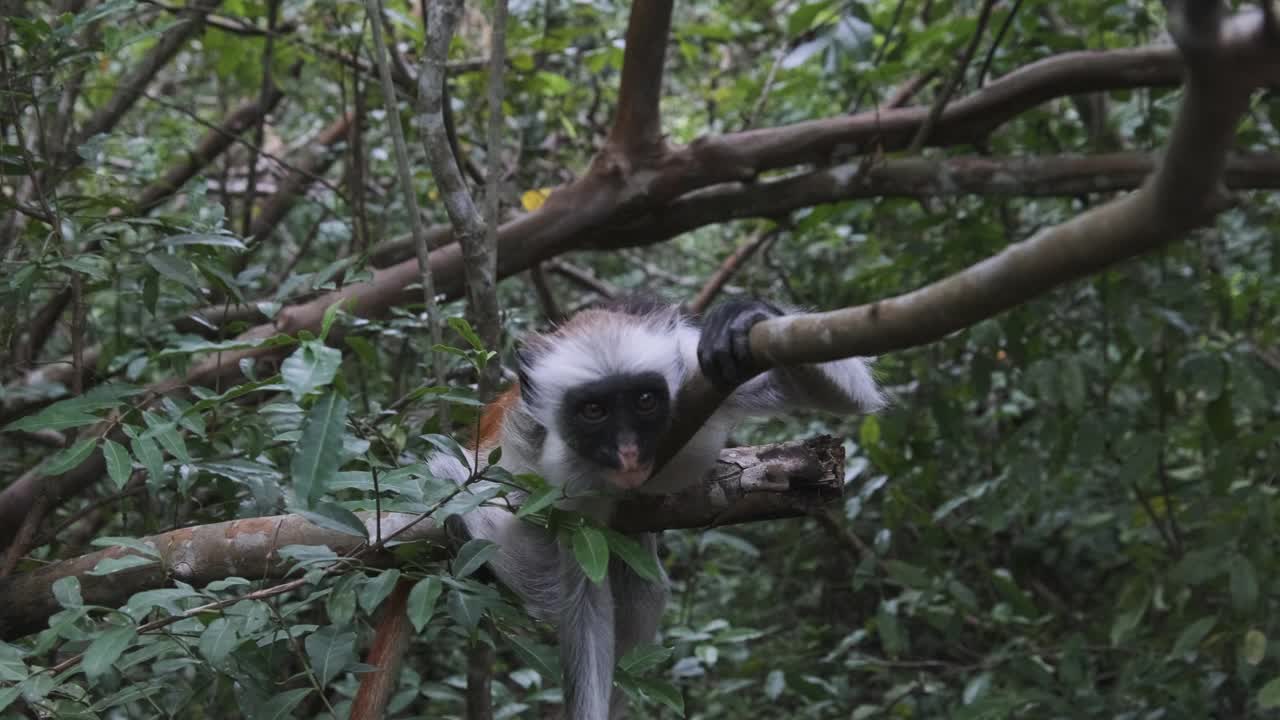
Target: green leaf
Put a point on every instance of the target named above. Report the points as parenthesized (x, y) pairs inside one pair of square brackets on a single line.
[(177, 269), (151, 293), (316, 456), (166, 432), (890, 632), (12, 666), (802, 18), (326, 323), (540, 657), (1269, 695), (119, 464), (472, 555), (75, 412), (70, 458), (1071, 383), (1244, 585), (976, 688), (422, 601), (106, 566), (377, 588), (54, 417), (539, 500), (148, 453), (592, 552), (643, 658), (465, 609), (95, 266), (659, 691), (106, 648), (1191, 636), (1255, 646), (446, 444), (280, 706), (463, 328), (341, 603), (869, 432), (331, 650), (8, 695), (907, 575), (226, 241), (312, 366), (142, 547), (218, 640), (774, 683), (635, 555), (333, 516)]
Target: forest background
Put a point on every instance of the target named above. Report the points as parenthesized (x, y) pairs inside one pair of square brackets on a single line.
[(213, 283)]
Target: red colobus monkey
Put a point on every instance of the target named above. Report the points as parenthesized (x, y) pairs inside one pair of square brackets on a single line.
[(594, 399)]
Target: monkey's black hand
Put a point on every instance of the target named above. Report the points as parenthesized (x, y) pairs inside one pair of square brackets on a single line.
[(457, 534), (724, 350)]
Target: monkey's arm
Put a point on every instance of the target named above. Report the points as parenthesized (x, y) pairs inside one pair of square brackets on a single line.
[(724, 355)]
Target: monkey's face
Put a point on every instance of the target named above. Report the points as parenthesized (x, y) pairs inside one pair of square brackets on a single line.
[(616, 423)]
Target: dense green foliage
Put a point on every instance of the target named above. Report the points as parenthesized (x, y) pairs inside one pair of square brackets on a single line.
[(1067, 512)]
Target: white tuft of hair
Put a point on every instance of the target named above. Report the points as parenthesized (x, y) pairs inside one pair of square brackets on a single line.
[(596, 344)]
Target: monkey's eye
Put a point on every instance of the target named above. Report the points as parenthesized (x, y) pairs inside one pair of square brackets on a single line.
[(646, 402), (592, 411)]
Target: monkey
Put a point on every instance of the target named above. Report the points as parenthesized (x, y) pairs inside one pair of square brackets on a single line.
[(592, 401)]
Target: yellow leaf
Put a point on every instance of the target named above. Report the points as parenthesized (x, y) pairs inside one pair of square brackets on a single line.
[(533, 199)]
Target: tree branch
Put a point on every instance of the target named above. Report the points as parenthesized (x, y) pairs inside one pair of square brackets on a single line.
[(575, 214), (479, 266), (423, 266), (637, 125), (731, 264), (1225, 63), (133, 85), (748, 484)]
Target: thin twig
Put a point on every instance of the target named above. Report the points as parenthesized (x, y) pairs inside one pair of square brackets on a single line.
[(374, 10), (935, 112), (736, 260), (995, 44)]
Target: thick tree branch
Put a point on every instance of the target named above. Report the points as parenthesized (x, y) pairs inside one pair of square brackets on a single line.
[(610, 196), (749, 483), (637, 126), (1225, 63)]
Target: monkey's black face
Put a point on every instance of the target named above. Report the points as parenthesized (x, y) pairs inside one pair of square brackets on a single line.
[(616, 423)]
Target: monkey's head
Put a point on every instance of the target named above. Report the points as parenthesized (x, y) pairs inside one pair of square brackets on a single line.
[(602, 385)]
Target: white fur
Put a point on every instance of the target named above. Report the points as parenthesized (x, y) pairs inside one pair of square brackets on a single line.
[(604, 345), (600, 623)]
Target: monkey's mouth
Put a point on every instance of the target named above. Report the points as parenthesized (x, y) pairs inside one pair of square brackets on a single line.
[(630, 479)]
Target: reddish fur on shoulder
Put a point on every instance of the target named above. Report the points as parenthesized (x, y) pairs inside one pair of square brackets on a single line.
[(494, 412)]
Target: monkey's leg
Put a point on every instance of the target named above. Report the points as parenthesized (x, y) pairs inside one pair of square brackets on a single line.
[(528, 558), (638, 606), (586, 642)]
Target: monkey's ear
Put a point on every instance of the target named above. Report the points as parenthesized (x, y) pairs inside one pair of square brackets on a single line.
[(523, 369)]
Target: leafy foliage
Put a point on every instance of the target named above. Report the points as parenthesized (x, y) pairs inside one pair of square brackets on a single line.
[(1069, 511)]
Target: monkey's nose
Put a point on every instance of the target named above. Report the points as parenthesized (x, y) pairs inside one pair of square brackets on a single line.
[(628, 458)]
